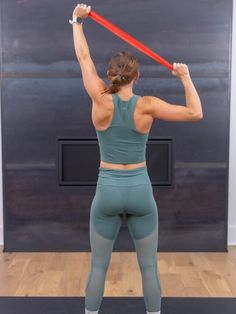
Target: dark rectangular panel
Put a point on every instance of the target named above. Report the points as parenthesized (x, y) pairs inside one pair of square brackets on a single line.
[(78, 159)]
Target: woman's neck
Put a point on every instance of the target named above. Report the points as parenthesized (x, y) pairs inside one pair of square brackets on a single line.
[(125, 93), (125, 96)]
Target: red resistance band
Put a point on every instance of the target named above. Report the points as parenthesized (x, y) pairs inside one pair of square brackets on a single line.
[(131, 40)]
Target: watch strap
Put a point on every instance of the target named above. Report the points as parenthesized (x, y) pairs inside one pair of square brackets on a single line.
[(75, 20)]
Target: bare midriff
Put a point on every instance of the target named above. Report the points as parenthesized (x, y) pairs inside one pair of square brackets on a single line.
[(109, 165)]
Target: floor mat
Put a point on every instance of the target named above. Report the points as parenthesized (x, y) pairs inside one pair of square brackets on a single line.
[(115, 305)]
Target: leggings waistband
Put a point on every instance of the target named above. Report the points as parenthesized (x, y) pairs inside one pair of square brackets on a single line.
[(123, 172), (123, 177)]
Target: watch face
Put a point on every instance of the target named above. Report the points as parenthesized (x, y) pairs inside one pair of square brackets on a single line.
[(79, 19)]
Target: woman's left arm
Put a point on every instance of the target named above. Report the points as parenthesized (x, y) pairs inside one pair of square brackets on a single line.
[(94, 85)]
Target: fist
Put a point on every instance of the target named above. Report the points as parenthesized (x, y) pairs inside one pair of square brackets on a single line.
[(81, 10), (180, 69)]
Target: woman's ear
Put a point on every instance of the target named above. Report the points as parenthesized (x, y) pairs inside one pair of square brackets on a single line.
[(138, 76)]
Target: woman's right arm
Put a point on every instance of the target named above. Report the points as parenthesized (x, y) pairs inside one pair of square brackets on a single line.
[(163, 110)]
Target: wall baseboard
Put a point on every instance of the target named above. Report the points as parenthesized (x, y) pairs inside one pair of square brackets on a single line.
[(232, 235)]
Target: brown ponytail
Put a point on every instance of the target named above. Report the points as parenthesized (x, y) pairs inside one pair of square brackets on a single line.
[(122, 69)]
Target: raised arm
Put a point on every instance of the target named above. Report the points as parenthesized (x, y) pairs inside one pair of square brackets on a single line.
[(163, 110), (80, 42), (93, 84)]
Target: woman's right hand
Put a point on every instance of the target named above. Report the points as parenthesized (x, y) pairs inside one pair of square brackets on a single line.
[(180, 70)]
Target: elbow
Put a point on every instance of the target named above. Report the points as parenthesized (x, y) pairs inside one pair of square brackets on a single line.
[(198, 116), (201, 116)]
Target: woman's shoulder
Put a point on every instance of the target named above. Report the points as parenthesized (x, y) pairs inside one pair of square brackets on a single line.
[(144, 103)]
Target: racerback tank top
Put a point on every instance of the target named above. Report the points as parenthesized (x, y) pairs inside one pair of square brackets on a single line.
[(121, 143)]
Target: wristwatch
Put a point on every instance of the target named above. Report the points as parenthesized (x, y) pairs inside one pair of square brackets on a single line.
[(77, 20)]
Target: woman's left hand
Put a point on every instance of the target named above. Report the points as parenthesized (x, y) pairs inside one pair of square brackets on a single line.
[(81, 10)]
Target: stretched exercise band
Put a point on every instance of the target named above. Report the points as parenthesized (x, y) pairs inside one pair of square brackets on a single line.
[(131, 40)]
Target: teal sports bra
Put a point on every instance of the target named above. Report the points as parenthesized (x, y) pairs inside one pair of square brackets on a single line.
[(121, 142)]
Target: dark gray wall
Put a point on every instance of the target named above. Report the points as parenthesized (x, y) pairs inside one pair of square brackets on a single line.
[(43, 98)]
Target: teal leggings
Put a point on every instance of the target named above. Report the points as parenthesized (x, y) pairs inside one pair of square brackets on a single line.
[(117, 192)]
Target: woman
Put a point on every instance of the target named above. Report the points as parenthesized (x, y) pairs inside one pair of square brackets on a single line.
[(122, 121)]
